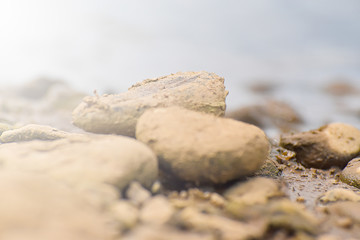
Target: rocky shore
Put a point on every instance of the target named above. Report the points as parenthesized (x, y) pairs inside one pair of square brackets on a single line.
[(164, 161)]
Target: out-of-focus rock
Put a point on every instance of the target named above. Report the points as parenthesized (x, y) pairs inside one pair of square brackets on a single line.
[(328, 237), (156, 211), (38, 88), (263, 87), (32, 132), (339, 194), (209, 202), (136, 194), (5, 127), (332, 145), (118, 114), (284, 214), (125, 213), (43, 101), (79, 159), (351, 173), (341, 87), (278, 214), (270, 168), (269, 114), (37, 207), (227, 228), (345, 209), (255, 191), (202, 148), (164, 233)]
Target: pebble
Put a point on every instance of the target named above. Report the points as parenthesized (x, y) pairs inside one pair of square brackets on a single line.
[(202, 148), (339, 194), (5, 127), (351, 173), (118, 113), (84, 159), (278, 214), (137, 194), (151, 232), (254, 191), (289, 215), (193, 219), (32, 132), (345, 209), (125, 213), (332, 145), (156, 211)]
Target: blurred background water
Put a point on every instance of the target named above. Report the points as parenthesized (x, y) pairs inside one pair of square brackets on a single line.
[(108, 45)]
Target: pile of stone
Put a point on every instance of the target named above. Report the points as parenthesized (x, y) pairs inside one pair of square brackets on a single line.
[(161, 162)]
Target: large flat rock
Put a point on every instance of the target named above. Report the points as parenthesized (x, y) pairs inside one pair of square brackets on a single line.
[(118, 113), (84, 159)]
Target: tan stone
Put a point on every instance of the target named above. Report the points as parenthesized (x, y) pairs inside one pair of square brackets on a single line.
[(32, 132), (202, 148), (351, 173), (82, 159), (136, 194), (156, 211), (255, 191), (5, 127), (339, 194), (39, 208), (125, 213), (229, 229), (345, 209), (331, 145), (118, 114), (164, 233)]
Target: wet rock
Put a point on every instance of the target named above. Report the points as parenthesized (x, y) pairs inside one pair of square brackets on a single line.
[(37, 207), (32, 132), (81, 159), (224, 228), (351, 173), (269, 114), (202, 148), (331, 145), (339, 194), (136, 194), (255, 191), (118, 114), (156, 211), (164, 233)]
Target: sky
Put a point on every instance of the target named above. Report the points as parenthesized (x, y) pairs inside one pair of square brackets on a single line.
[(112, 44)]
